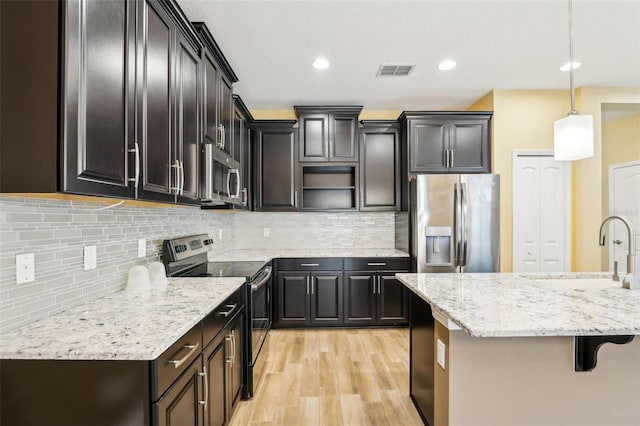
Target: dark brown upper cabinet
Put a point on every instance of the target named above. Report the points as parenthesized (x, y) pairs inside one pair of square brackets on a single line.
[(328, 133), (168, 65), (448, 142), (125, 120), (68, 126), (275, 153), (379, 166), (242, 121)]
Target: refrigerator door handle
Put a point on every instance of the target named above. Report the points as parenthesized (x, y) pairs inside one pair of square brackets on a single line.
[(464, 204), (457, 225)]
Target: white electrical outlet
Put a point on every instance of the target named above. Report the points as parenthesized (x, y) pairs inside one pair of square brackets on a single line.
[(90, 258), (267, 232), (25, 268), (441, 353), (142, 247)]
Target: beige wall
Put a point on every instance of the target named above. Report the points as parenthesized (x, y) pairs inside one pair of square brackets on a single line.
[(587, 202), (290, 114)]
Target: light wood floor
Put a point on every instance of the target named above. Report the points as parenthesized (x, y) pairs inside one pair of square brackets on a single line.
[(333, 377)]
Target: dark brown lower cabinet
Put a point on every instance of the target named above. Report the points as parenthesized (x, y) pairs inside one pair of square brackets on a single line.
[(309, 298), (375, 299), (181, 404), (223, 372)]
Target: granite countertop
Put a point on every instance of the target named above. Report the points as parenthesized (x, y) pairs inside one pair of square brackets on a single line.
[(514, 304), (268, 254), (121, 326)]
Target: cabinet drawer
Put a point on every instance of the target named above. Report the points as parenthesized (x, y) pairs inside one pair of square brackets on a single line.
[(376, 263), (218, 318), (168, 366), (311, 264)]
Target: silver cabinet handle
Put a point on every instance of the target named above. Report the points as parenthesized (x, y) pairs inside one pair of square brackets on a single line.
[(224, 137), (331, 148), (181, 177), (206, 388), (233, 347), (377, 264), (295, 199), (178, 362), (309, 264), (379, 284), (227, 313), (313, 283), (307, 279), (446, 158), (136, 151), (227, 340), (176, 187), (451, 158)]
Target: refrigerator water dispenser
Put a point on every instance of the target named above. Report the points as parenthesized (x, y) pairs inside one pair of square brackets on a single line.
[(438, 245)]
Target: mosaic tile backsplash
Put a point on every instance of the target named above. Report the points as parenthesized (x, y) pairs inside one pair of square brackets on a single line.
[(56, 231)]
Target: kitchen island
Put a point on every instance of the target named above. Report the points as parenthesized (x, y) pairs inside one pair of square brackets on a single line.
[(507, 345)]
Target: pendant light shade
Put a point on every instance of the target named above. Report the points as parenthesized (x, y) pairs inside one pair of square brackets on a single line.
[(572, 135)]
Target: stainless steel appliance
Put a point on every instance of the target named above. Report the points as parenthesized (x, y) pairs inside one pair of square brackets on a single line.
[(454, 223), (187, 257), (221, 178)]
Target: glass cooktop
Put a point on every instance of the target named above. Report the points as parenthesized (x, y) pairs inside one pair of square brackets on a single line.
[(226, 269)]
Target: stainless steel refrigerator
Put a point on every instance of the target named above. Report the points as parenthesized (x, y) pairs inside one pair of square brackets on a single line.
[(454, 223)]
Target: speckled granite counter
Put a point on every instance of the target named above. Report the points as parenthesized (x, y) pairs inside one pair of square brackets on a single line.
[(120, 326), (266, 255), (509, 305)]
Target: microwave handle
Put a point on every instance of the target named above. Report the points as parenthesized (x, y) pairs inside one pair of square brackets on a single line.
[(237, 172)]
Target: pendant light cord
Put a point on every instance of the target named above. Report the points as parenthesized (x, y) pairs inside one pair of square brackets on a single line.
[(573, 95)]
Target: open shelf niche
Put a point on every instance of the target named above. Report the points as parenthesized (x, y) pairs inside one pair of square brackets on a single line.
[(329, 187)]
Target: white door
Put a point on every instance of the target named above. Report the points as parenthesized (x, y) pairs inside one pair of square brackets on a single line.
[(541, 213), (624, 199)]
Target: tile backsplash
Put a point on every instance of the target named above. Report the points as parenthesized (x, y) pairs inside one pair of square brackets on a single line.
[(56, 231)]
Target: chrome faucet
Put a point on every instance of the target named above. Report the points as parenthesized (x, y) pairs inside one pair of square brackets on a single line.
[(631, 280)]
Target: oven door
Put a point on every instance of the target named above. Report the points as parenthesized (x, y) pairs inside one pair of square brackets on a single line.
[(260, 299)]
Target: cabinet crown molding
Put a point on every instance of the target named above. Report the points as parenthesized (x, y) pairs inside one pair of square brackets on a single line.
[(210, 43), (305, 109)]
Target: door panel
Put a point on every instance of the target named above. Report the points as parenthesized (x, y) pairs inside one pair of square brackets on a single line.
[(379, 169), (469, 144), (226, 114), (276, 185), (99, 107), (156, 102), (393, 304), (187, 149), (326, 298), (211, 95), (428, 146), (360, 300), (344, 137), (293, 299), (179, 406), (314, 137), (541, 214), (216, 370), (624, 199)]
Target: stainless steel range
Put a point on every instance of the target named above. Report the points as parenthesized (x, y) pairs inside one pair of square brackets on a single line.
[(187, 257)]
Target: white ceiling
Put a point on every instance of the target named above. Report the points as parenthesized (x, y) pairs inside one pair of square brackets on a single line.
[(507, 44)]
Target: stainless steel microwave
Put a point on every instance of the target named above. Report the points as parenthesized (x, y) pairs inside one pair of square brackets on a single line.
[(222, 181)]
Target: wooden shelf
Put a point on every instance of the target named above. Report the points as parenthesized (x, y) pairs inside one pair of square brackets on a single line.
[(329, 187)]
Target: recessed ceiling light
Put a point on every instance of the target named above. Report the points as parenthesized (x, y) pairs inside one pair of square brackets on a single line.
[(447, 65), (567, 66), (321, 64)]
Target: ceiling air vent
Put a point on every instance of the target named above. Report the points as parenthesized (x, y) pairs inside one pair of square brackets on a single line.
[(395, 70)]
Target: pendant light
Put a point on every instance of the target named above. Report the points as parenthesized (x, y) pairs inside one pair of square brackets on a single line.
[(572, 135)]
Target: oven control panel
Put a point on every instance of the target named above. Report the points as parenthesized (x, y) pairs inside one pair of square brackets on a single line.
[(185, 247)]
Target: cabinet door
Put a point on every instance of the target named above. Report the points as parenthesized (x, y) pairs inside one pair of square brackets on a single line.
[(326, 298), (240, 154), (156, 103), (179, 405), (293, 299), (314, 137), (393, 304), (236, 382), (428, 146), (380, 169), (216, 370), (98, 105), (226, 114), (469, 145), (187, 152), (211, 95), (343, 139), (276, 169), (359, 298)]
